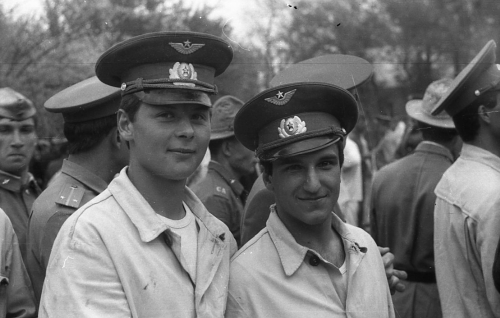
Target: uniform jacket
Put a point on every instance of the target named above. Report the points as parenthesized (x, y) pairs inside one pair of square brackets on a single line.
[(115, 258), (466, 234), (402, 208), (16, 200), (222, 194), (273, 276), (70, 189), (16, 294)]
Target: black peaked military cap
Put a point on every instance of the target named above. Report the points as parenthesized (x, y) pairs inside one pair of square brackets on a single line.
[(166, 67), (308, 109), (86, 100), (478, 77), (14, 105)]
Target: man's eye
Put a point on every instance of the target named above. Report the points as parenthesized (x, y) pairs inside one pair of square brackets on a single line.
[(167, 115), (4, 130), (27, 129), (293, 168), (328, 164), (201, 116)]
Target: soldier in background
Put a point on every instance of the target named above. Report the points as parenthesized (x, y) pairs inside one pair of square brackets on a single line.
[(466, 214), (96, 154), (18, 188), (403, 204), (220, 191)]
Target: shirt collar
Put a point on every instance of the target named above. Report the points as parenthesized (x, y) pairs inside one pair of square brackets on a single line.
[(435, 148), (473, 153), (13, 183), (84, 176), (235, 185), (292, 254), (145, 218)]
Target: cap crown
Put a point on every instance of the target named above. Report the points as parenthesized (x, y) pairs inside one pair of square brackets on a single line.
[(14, 105)]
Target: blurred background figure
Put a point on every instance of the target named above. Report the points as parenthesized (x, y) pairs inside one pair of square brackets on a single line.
[(403, 205), (385, 151), (18, 188), (16, 293), (221, 191), (351, 185)]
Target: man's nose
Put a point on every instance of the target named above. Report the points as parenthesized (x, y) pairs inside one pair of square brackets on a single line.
[(312, 182), (17, 139)]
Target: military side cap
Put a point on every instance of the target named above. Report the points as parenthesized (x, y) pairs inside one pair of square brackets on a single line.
[(14, 105), (420, 109), (224, 111), (87, 100), (478, 77), (345, 71), (297, 118), (166, 67)]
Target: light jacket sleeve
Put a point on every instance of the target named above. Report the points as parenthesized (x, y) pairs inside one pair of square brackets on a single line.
[(82, 280), (16, 293)]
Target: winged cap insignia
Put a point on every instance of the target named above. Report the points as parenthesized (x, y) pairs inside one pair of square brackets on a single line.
[(183, 71), (186, 47), (291, 126), (281, 98)]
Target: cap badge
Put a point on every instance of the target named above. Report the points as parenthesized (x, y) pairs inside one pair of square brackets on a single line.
[(291, 126), (183, 71), (186, 47), (281, 98)]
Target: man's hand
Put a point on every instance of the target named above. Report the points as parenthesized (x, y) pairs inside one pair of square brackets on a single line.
[(393, 275)]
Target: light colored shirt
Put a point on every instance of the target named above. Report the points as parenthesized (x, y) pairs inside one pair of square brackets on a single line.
[(274, 276), (466, 232), (186, 229), (114, 258)]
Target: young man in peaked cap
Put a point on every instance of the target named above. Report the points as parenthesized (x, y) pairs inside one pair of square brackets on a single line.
[(466, 214), (404, 222), (96, 154), (146, 246), (220, 191), (18, 188), (306, 261)]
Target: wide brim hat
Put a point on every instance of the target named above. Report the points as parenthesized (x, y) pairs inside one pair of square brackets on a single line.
[(420, 109), (478, 77), (224, 111), (166, 67), (297, 118), (86, 100)]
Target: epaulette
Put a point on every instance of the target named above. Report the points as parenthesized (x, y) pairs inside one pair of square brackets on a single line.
[(70, 195)]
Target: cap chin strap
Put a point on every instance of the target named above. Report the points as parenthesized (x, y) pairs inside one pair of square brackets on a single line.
[(141, 84), (265, 152)]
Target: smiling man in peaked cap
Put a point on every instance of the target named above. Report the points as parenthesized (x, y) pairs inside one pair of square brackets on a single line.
[(466, 214), (307, 260), (146, 246)]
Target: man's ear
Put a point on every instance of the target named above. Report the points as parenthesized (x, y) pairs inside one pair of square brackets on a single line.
[(268, 181), (125, 126), (484, 114), (226, 147)]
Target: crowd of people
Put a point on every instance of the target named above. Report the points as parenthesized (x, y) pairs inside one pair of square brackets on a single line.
[(169, 206)]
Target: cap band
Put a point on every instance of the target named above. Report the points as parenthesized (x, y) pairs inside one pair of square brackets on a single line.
[(169, 97)]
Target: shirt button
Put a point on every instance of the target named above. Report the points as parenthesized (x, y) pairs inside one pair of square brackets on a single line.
[(314, 260)]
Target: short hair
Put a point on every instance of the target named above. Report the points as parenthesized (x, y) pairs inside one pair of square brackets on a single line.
[(130, 104), (84, 136), (436, 134), (467, 120)]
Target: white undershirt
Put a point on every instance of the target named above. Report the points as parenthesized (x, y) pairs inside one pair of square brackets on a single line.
[(186, 229)]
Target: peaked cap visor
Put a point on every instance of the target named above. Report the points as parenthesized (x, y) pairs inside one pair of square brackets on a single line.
[(86, 100), (481, 73)]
